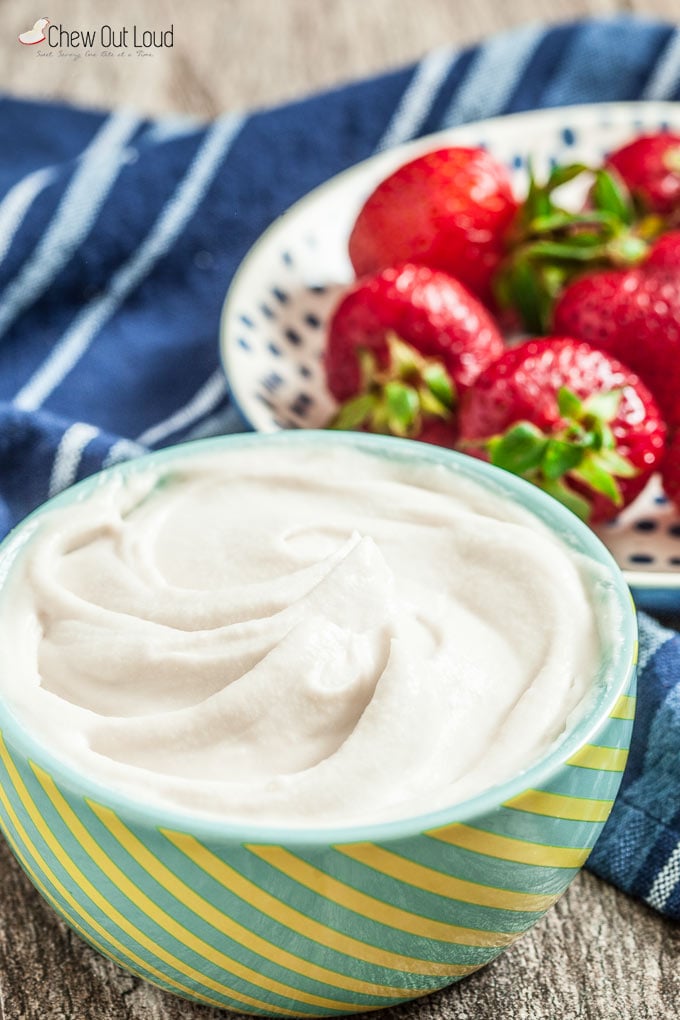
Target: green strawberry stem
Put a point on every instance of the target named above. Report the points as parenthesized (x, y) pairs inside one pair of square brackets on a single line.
[(583, 450), (396, 400), (549, 245)]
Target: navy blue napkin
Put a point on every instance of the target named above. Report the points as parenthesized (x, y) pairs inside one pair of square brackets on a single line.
[(118, 238)]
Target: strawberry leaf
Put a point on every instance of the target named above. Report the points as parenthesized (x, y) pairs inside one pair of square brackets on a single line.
[(571, 250), (551, 245), (562, 174), (627, 250), (405, 360), (581, 449), (519, 450), (355, 412), (559, 458), (368, 366), (379, 421), (577, 504), (430, 404), (537, 202), (397, 397), (617, 465), (568, 404), (439, 383), (402, 407), (527, 293), (591, 239), (604, 405), (597, 477), (612, 196)]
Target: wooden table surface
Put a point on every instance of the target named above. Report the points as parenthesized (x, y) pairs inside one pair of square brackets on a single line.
[(597, 954)]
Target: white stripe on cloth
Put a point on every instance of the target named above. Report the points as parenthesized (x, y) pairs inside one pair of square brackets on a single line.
[(417, 100), (222, 424), (665, 77), (169, 128), (69, 454), (168, 226), (123, 449), (666, 881), (18, 201), (207, 398), (494, 75), (96, 171)]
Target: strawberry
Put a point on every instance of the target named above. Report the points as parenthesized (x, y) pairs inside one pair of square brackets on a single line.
[(665, 253), (670, 470), (569, 418), (439, 433), (402, 345), (551, 245), (449, 209), (635, 316), (650, 167)]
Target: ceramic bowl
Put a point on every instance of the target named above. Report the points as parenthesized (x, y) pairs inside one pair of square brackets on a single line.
[(279, 302), (321, 921)]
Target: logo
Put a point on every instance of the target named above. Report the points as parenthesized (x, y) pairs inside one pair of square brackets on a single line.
[(35, 34), (111, 40)]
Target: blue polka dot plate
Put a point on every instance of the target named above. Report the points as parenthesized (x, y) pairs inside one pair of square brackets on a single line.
[(279, 302)]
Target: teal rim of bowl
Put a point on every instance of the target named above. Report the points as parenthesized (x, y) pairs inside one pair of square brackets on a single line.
[(612, 681)]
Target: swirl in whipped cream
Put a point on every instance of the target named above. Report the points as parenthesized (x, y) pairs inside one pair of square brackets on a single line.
[(297, 635)]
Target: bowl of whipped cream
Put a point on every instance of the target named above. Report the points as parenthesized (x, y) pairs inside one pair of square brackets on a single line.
[(308, 723)]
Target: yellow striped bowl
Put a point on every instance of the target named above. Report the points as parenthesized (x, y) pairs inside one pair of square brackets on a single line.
[(321, 922)]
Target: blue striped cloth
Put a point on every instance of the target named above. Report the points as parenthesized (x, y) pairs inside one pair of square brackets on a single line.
[(118, 237)]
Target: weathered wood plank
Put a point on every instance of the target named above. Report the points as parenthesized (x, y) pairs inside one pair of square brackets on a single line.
[(235, 53), (597, 955)]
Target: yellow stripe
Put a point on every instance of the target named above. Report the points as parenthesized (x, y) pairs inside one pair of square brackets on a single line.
[(384, 913), (507, 848), (300, 923), (624, 708), (558, 805), (62, 911), (225, 924), (128, 954), (162, 980), (605, 759), (100, 901), (88, 936), (168, 923), (403, 870)]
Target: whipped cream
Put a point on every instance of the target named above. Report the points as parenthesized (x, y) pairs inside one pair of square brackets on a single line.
[(297, 635)]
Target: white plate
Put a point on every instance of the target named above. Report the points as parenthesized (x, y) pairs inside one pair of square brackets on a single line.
[(274, 317)]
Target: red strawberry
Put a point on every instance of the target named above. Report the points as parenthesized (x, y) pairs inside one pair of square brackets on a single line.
[(402, 345), (439, 433), (634, 315), (665, 253), (551, 245), (568, 417), (670, 470), (650, 167), (425, 308), (449, 209)]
